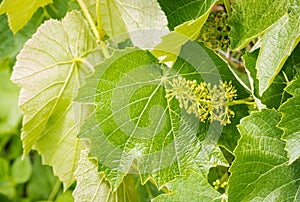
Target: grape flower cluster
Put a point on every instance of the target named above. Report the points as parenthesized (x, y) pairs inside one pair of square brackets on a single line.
[(203, 100)]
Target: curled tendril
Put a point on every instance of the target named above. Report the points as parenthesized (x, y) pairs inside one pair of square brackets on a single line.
[(203, 100)]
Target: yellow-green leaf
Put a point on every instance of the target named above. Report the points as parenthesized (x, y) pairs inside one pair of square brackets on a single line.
[(168, 50), (49, 70), (20, 11)]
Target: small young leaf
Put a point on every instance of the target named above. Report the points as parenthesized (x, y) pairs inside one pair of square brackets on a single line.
[(21, 170), (260, 171), (20, 11), (49, 69)]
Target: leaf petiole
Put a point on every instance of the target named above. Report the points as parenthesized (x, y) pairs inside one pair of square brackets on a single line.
[(96, 31), (247, 101), (55, 190)]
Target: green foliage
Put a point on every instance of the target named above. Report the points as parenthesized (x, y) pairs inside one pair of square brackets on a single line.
[(277, 45), (260, 161), (252, 18), (179, 12), (18, 14), (141, 125), (123, 104), (9, 113), (48, 108), (91, 181), (170, 46), (215, 31), (289, 121), (190, 188)]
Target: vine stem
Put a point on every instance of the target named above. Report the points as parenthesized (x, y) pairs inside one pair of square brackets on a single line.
[(99, 21), (247, 101), (227, 6), (96, 31), (54, 191)]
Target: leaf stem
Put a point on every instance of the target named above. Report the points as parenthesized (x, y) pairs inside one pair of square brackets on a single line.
[(99, 21), (55, 190), (247, 101), (89, 19), (96, 31), (227, 6), (104, 49)]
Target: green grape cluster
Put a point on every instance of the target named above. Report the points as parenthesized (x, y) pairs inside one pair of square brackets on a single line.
[(215, 31), (203, 100), (218, 184)]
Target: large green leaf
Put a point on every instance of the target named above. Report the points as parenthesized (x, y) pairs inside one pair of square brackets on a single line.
[(252, 17), (92, 186), (134, 124), (193, 187), (290, 122), (169, 49), (20, 11), (49, 70), (260, 171), (277, 45)]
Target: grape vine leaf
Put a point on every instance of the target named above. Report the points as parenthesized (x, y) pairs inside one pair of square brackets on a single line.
[(109, 17), (169, 48), (134, 124), (144, 21), (290, 121), (192, 187), (49, 70), (277, 45), (18, 14), (179, 12), (260, 171), (275, 95), (252, 18), (92, 185)]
